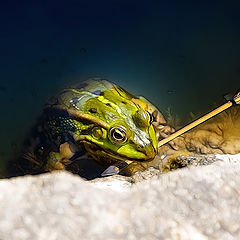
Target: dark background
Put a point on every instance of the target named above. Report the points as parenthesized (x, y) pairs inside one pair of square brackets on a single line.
[(178, 54)]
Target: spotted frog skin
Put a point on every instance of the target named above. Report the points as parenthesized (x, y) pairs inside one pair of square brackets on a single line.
[(91, 126)]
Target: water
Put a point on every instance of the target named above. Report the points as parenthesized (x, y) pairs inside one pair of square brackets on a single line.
[(177, 54)]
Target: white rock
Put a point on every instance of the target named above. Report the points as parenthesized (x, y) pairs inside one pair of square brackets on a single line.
[(196, 203)]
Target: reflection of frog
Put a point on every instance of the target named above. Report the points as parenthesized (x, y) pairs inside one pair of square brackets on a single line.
[(94, 120)]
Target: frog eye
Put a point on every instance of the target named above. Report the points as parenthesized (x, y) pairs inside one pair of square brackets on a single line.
[(150, 117), (118, 135)]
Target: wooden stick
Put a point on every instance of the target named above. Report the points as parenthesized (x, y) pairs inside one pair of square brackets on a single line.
[(195, 123)]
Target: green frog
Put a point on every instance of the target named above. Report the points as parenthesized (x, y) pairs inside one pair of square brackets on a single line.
[(91, 126)]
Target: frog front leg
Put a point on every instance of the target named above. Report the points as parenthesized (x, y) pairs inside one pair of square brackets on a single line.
[(59, 160)]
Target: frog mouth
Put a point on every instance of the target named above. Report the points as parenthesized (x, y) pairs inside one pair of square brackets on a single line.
[(120, 158), (107, 156)]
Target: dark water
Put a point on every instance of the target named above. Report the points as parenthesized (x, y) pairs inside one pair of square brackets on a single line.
[(178, 54)]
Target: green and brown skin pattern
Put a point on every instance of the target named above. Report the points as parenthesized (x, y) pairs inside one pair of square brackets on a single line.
[(95, 120)]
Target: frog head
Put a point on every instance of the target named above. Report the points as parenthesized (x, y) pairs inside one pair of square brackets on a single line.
[(109, 123)]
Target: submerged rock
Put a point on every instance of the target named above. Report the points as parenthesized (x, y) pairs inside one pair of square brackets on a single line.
[(190, 203)]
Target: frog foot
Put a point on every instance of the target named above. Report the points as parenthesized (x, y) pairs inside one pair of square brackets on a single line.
[(174, 160), (163, 130)]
